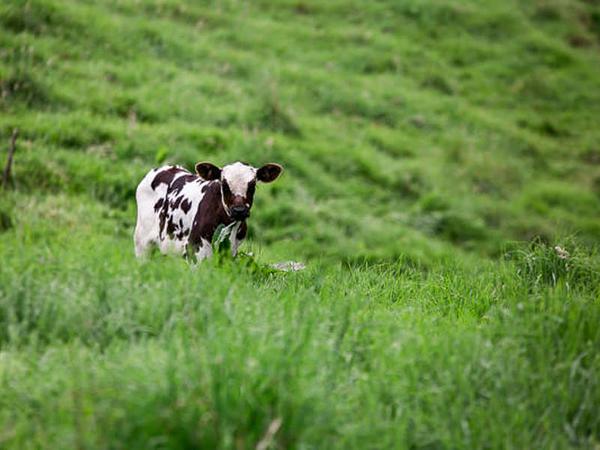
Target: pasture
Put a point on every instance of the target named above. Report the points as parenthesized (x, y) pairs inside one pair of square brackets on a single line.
[(441, 184)]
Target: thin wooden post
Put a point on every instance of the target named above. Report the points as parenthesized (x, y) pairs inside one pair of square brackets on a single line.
[(9, 160)]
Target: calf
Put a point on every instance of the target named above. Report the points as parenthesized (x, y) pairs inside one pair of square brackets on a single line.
[(179, 211)]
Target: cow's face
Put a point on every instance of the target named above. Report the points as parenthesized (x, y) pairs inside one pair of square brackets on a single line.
[(238, 181)]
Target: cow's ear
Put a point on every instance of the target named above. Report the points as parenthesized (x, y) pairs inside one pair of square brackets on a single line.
[(208, 171), (269, 172)]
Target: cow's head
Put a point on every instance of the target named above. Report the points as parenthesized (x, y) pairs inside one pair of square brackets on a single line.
[(238, 181)]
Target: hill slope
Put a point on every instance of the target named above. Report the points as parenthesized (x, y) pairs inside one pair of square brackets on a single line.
[(419, 138)]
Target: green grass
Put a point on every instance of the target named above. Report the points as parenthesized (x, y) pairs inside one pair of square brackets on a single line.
[(437, 153)]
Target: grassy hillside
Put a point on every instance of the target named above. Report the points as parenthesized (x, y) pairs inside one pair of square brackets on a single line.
[(436, 153)]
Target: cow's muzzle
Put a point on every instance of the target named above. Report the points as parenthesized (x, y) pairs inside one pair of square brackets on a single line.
[(240, 212)]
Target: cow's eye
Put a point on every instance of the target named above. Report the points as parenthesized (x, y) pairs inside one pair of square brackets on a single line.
[(251, 188)]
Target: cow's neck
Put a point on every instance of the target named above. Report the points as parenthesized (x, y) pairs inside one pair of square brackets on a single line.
[(211, 213)]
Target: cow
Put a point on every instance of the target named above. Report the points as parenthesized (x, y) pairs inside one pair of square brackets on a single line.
[(179, 211)]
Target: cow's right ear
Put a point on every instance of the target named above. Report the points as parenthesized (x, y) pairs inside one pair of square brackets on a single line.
[(208, 171)]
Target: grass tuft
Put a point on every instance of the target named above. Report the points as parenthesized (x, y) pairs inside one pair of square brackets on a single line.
[(565, 263)]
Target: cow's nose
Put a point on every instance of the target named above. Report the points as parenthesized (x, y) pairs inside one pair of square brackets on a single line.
[(239, 212)]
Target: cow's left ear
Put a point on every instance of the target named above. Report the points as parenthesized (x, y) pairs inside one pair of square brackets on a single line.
[(269, 172), (208, 171)]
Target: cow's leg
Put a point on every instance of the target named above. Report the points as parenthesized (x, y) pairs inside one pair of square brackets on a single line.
[(204, 251), (143, 239), (141, 248), (147, 225), (146, 232), (235, 243), (237, 236)]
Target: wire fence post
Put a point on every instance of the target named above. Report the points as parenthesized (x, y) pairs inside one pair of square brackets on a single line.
[(6, 174)]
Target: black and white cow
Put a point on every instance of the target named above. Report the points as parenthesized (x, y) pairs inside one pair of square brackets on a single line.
[(179, 211)]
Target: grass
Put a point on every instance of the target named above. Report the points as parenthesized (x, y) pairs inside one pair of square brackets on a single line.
[(436, 155)]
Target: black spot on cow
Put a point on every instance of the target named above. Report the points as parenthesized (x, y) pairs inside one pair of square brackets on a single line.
[(171, 227), (162, 217), (166, 176), (186, 205), (158, 204), (177, 185), (183, 233), (177, 201)]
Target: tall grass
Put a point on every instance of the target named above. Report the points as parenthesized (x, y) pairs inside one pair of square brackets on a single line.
[(101, 351)]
